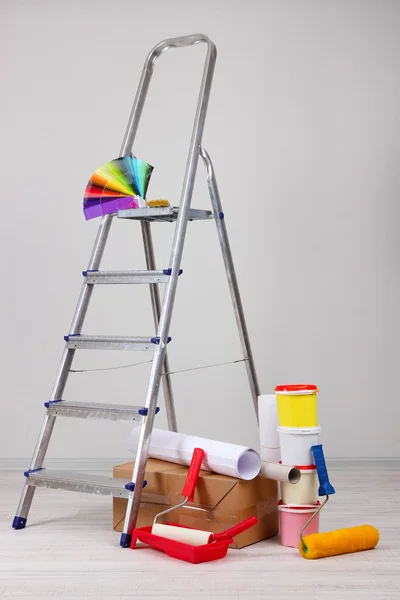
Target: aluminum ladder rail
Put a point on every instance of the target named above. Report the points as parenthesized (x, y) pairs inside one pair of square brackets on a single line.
[(36, 475)]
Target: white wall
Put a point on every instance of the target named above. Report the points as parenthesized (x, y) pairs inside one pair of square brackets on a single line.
[(304, 131)]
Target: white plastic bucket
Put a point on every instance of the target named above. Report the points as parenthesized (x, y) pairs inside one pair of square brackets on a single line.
[(296, 444), (305, 491)]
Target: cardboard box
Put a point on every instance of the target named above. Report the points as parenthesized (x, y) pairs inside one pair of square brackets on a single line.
[(219, 503)]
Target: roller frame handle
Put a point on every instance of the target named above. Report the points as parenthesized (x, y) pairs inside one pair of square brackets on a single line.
[(235, 530), (325, 486), (193, 474)]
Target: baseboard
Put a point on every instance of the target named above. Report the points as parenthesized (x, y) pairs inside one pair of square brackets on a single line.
[(106, 464), (364, 463), (73, 464)]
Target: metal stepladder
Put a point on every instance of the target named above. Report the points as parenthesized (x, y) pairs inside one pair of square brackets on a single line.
[(37, 476)]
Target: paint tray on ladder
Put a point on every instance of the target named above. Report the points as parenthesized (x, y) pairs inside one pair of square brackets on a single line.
[(186, 543)]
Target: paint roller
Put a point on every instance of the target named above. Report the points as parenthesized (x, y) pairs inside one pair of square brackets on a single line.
[(195, 537), (340, 541)]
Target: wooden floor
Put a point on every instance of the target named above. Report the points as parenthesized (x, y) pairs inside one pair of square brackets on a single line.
[(70, 551)]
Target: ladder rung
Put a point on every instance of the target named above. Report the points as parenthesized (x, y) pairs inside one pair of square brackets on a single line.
[(93, 410), (80, 482), (169, 213), (98, 277), (104, 342)]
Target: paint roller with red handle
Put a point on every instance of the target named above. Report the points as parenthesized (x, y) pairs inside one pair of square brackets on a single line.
[(185, 543), (193, 537)]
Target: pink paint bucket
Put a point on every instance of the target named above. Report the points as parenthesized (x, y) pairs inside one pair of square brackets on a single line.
[(291, 520)]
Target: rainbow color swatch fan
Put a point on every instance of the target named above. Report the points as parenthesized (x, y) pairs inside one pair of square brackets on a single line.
[(118, 185)]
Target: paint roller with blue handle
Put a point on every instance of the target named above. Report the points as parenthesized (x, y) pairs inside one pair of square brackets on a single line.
[(341, 541), (325, 486)]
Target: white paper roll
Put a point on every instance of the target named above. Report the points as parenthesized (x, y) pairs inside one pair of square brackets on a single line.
[(272, 455), (280, 472), (268, 428), (193, 537), (221, 457)]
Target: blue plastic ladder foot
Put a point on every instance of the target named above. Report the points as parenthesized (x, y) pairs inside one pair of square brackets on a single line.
[(125, 541), (19, 523)]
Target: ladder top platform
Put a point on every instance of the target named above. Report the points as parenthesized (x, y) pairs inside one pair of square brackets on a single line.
[(165, 213)]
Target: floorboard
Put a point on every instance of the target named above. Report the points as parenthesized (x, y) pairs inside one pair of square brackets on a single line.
[(69, 550)]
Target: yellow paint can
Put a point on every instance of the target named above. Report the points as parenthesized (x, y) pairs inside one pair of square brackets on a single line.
[(297, 405)]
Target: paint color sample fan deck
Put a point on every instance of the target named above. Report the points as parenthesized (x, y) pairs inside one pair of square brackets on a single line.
[(118, 185)]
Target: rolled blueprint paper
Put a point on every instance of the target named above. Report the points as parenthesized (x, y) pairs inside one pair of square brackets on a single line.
[(221, 457), (268, 428), (280, 472)]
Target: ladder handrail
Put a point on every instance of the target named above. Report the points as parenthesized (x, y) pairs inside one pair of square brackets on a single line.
[(147, 73), (177, 248), (188, 183)]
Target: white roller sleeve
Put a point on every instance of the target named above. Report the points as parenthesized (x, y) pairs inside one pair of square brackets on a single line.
[(268, 428), (221, 457), (193, 537)]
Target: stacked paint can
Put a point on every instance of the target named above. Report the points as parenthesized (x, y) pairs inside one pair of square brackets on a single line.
[(298, 431)]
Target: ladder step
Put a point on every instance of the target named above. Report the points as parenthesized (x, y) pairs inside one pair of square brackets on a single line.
[(109, 342), (80, 482), (169, 214), (98, 277), (93, 410)]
